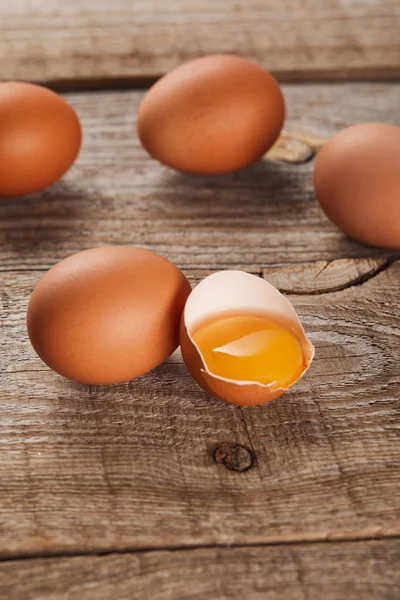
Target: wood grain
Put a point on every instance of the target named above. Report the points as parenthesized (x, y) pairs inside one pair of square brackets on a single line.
[(132, 466), (99, 40), (186, 497), (116, 194), (324, 277), (332, 571)]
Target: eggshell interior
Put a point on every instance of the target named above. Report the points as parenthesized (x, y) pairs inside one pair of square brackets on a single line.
[(228, 291)]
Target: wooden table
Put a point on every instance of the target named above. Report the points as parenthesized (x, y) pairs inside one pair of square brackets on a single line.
[(115, 492)]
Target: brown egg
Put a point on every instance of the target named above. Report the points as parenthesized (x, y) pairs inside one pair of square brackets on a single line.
[(212, 115), (107, 315), (40, 138), (357, 183)]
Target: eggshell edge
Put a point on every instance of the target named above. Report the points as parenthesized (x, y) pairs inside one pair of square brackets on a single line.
[(241, 393)]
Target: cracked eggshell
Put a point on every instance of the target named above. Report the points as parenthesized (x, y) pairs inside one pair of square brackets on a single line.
[(236, 291)]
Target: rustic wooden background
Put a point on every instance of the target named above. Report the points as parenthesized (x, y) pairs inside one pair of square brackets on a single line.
[(119, 493)]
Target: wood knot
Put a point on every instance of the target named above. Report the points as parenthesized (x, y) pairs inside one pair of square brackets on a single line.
[(294, 147), (234, 456)]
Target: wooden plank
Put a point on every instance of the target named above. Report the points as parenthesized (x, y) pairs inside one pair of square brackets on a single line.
[(297, 39), (131, 466), (333, 571), (116, 194)]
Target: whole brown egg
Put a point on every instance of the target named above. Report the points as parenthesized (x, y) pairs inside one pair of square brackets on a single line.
[(40, 138), (107, 315), (211, 115), (357, 183)]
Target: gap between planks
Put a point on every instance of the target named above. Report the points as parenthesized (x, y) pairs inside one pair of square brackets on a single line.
[(145, 81), (193, 547)]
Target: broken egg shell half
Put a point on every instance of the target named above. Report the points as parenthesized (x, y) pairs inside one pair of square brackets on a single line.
[(240, 293)]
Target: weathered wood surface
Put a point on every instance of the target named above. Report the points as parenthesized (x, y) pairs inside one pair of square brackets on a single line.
[(116, 194), (98, 39), (131, 466), (332, 571)]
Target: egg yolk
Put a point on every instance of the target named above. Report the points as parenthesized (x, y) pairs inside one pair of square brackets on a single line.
[(250, 348)]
